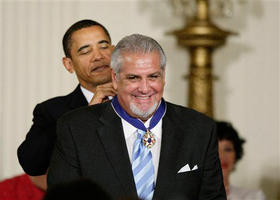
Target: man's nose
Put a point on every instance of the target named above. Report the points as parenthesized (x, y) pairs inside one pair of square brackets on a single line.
[(144, 86), (97, 55)]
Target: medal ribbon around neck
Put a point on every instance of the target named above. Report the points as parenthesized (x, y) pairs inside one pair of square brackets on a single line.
[(148, 138)]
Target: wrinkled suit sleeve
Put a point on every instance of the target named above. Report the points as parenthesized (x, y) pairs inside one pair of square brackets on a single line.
[(212, 181), (35, 151)]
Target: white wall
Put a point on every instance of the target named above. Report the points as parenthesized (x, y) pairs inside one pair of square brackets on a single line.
[(247, 92)]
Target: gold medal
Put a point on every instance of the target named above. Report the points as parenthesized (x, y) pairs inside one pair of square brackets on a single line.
[(149, 139)]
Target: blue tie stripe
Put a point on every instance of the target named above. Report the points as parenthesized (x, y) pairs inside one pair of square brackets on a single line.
[(146, 180), (146, 189), (143, 169), (150, 196), (147, 171), (141, 165), (137, 161)]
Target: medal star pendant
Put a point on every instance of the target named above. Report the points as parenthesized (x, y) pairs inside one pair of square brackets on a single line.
[(149, 139)]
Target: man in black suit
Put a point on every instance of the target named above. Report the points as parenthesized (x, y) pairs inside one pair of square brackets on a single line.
[(138, 145), (87, 47)]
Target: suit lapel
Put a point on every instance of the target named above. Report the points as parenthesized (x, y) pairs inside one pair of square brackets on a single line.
[(171, 155), (77, 98), (167, 157), (112, 138)]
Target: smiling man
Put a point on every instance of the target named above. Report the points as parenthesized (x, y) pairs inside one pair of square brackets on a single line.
[(138, 145), (87, 47), (140, 85)]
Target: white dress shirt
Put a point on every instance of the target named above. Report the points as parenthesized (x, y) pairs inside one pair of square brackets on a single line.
[(88, 94), (130, 134)]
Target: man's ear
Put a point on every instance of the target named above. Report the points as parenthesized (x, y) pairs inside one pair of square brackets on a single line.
[(114, 80), (67, 62)]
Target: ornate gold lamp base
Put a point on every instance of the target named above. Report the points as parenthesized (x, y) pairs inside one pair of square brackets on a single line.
[(201, 37)]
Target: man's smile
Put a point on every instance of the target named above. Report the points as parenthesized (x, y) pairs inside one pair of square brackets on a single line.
[(99, 68)]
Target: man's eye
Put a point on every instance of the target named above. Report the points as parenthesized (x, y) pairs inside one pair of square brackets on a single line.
[(154, 76), (131, 77), (104, 46), (84, 52)]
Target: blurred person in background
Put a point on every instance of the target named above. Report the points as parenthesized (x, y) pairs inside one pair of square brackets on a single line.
[(230, 152), (23, 187)]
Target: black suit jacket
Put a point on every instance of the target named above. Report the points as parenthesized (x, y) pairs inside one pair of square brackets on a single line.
[(35, 151), (91, 144)]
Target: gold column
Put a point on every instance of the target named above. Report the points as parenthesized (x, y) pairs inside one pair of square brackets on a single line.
[(201, 36)]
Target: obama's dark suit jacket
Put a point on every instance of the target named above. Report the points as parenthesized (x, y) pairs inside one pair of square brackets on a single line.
[(91, 144), (35, 151)]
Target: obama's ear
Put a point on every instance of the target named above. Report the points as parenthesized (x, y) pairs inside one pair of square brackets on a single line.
[(67, 62)]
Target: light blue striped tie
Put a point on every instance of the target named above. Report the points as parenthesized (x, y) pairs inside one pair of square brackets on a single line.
[(143, 168)]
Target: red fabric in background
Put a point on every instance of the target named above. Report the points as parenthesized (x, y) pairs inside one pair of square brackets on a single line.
[(20, 188)]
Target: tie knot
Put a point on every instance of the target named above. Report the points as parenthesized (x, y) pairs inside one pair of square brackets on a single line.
[(140, 133)]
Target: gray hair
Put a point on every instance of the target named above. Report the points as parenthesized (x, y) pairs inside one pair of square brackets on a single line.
[(135, 43)]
